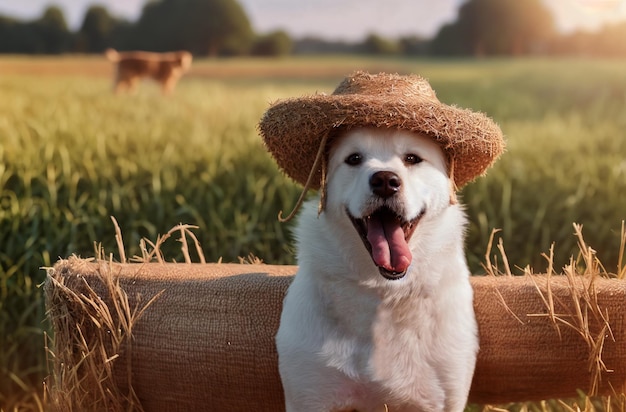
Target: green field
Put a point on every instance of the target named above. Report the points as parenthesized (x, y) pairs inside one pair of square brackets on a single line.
[(72, 155)]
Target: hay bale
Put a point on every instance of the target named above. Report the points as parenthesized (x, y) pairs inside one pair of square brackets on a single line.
[(158, 336), (545, 337)]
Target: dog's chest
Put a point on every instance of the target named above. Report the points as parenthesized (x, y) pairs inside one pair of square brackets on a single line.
[(368, 337)]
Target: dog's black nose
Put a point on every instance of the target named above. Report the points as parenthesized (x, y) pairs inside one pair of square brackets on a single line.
[(385, 184)]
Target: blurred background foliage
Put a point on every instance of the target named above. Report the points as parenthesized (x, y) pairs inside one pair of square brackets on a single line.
[(222, 28)]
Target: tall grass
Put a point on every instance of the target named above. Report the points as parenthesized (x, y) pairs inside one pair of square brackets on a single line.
[(72, 155), (566, 158)]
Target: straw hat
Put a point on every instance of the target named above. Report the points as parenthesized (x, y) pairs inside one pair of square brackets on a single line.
[(293, 129)]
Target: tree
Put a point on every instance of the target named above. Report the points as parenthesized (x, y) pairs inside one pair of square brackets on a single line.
[(204, 27), (610, 41), (277, 43), (7, 33), (375, 44), (413, 45), (497, 27), (450, 41), (95, 34), (54, 37), (47, 34)]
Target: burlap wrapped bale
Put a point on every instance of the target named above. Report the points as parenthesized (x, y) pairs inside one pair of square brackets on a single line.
[(528, 352), (206, 342)]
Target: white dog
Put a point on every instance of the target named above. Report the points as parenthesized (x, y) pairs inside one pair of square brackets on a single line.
[(380, 314)]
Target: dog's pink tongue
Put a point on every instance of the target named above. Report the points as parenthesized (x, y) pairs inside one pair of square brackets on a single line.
[(389, 248)]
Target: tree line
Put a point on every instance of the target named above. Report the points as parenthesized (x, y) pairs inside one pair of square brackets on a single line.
[(203, 27), (222, 28)]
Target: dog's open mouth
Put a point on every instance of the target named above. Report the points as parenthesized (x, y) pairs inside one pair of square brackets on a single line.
[(386, 236)]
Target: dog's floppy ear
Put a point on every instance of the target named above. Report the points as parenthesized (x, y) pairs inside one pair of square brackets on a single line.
[(453, 188)]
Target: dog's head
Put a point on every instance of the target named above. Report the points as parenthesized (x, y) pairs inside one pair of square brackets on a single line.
[(384, 182)]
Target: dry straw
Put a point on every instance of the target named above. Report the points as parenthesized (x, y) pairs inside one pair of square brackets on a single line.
[(151, 335), (579, 300), (90, 333)]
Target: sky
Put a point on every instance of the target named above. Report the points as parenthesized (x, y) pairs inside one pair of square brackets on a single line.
[(349, 20)]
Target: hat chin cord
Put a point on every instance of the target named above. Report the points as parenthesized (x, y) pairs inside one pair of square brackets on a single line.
[(453, 187), (318, 158)]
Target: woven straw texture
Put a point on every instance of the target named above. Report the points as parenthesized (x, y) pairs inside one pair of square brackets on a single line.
[(294, 128), (206, 342)]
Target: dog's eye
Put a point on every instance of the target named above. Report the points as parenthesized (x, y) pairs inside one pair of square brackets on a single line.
[(354, 159), (412, 159)]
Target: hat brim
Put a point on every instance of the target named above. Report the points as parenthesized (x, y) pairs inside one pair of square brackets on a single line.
[(293, 129)]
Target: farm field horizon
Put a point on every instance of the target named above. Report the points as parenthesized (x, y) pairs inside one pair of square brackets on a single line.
[(72, 154)]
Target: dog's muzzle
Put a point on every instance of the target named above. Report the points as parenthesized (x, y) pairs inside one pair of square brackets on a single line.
[(384, 232), (386, 236)]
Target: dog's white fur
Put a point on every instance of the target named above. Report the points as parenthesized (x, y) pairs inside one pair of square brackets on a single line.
[(350, 339)]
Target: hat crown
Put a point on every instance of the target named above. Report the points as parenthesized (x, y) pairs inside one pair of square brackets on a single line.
[(386, 85), (294, 130)]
